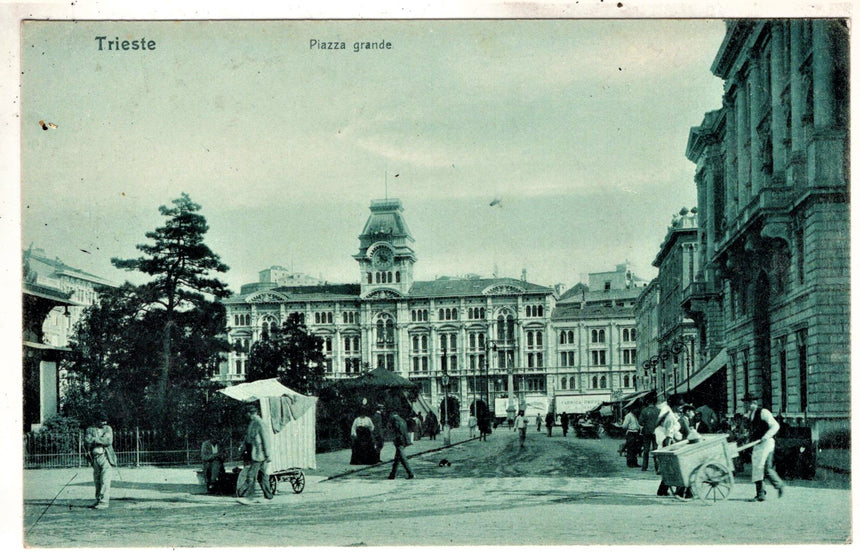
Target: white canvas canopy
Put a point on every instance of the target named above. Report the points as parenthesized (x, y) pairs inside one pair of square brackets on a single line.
[(289, 418)]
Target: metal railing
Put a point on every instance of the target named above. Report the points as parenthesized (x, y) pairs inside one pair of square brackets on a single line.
[(134, 447)]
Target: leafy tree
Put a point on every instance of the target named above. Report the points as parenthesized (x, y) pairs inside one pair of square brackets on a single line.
[(175, 300), (291, 354)]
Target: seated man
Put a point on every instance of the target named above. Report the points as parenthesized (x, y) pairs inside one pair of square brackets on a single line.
[(213, 463)]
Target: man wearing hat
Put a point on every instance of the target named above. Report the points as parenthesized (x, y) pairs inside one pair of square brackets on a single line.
[(99, 442), (763, 427)]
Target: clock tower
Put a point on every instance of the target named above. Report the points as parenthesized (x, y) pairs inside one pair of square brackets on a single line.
[(385, 255)]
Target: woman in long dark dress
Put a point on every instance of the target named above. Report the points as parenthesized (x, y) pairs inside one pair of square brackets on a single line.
[(363, 448)]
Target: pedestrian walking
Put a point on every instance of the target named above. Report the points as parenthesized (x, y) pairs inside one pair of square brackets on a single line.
[(431, 422), (632, 428), (99, 442), (763, 428), (520, 424), (550, 421), (565, 423), (401, 440), (255, 457), (648, 422), (484, 425), (473, 425), (538, 421), (378, 434)]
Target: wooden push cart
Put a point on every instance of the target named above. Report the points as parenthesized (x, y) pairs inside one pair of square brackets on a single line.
[(705, 467), (289, 419)]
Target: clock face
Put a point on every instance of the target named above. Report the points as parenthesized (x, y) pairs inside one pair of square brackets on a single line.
[(382, 258)]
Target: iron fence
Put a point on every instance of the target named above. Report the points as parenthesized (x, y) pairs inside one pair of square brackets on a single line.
[(134, 447)]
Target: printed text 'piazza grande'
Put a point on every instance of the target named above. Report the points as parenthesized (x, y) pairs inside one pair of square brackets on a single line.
[(358, 46)]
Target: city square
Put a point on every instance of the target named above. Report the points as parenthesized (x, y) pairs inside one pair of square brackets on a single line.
[(501, 234)]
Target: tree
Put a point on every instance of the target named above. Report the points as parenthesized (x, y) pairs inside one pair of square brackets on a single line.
[(175, 300), (291, 354)]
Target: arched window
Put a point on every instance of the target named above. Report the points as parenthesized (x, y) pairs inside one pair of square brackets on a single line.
[(471, 341), (377, 277), (594, 336), (601, 336), (528, 310), (415, 342), (480, 341), (564, 383), (454, 314), (423, 342), (443, 341), (453, 342), (603, 382), (500, 328), (538, 339), (562, 339), (633, 334), (441, 314), (540, 310), (594, 382), (397, 276), (369, 278), (530, 339), (626, 381), (413, 316), (389, 280), (570, 337)]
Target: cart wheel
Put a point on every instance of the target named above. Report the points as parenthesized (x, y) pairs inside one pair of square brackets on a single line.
[(298, 483), (273, 483), (712, 481)]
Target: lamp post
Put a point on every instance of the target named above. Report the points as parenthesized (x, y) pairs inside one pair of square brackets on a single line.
[(680, 345), (446, 426), (488, 345), (446, 440), (664, 356)]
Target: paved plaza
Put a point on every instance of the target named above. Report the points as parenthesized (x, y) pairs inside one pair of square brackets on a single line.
[(555, 491)]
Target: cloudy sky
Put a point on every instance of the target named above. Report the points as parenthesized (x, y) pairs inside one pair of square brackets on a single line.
[(579, 127)]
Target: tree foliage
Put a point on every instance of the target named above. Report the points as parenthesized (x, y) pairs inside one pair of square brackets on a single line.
[(291, 354), (144, 353)]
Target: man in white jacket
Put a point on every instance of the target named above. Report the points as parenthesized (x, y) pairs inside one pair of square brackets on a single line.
[(668, 431)]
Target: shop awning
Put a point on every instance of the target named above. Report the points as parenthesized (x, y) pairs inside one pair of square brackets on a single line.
[(709, 369)]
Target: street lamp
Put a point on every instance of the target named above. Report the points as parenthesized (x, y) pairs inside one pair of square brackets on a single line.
[(447, 438), (680, 345), (445, 380)]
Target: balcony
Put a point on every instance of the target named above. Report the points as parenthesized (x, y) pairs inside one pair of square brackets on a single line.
[(695, 297)]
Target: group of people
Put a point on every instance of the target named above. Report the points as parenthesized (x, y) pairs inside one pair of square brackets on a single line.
[(521, 423), (658, 425)]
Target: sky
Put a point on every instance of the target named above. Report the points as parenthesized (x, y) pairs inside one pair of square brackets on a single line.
[(579, 127)]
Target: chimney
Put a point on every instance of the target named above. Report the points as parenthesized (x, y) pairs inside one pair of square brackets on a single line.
[(524, 275)]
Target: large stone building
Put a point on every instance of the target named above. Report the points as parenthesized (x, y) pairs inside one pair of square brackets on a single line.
[(771, 300), (594, 331), (54, 296), (671, 344), (495, 338)]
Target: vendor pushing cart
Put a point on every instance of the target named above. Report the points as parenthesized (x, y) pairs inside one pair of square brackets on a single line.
[(289, 423), (705, 467)]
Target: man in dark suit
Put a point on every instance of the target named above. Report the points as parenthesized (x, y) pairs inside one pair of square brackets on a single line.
[(401, 439), (647, 423)]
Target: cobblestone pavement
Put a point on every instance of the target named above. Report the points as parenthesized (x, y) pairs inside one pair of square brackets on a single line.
[(555, 491)]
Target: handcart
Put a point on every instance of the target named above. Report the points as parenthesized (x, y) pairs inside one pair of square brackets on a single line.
[(289, 418), (705, 467)]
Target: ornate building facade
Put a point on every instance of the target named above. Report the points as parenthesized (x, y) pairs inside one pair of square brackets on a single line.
[(55, 295), (493, 339), (771, 301)]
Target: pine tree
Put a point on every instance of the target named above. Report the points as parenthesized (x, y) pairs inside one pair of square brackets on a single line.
[(180, 263)]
